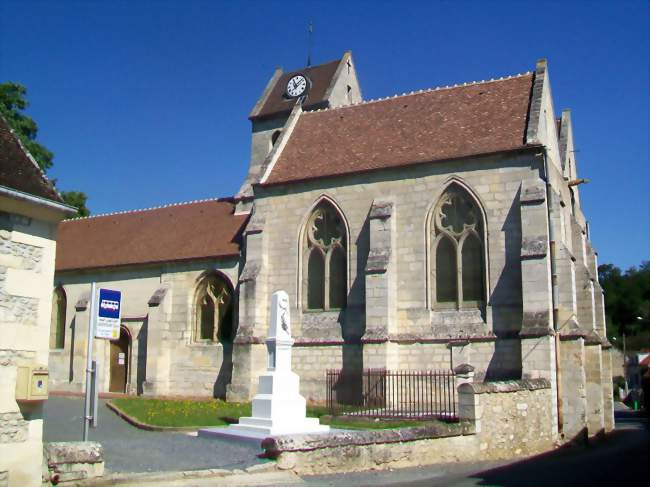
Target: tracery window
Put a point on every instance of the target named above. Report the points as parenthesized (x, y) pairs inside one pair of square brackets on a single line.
[(457, 246), (213, 321), (57, 324), (325, 260)]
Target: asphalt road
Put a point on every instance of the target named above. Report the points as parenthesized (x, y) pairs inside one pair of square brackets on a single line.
[(129, 449), (619, 459), (622, 458)]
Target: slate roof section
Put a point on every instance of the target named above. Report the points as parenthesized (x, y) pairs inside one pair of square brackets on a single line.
[(18, 170), (436, 125), (321, 77), (195, 230)]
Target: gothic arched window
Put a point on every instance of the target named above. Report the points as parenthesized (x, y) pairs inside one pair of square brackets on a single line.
[(57, 324), (325, 259), (457, 248), (214, 320)]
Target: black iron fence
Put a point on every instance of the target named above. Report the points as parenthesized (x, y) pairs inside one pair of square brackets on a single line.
[(382, 393)]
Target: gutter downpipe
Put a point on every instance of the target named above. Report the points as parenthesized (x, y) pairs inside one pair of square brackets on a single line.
[(555, 298)]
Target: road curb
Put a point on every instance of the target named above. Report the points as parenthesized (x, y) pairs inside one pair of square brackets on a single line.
[(148, 427), (171, 476)]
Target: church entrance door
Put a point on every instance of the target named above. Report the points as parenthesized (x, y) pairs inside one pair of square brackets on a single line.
[(120, 353)]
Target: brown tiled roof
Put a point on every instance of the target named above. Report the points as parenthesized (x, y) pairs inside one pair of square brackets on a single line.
[(320, 76), (18, 171), (202, 229), (440, 124)]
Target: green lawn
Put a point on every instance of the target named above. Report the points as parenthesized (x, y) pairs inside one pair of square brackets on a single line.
[(182, 412), (215, 412)]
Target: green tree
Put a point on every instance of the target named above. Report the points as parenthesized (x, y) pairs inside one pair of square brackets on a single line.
[(78, 200), (13, 102), (627, 302)]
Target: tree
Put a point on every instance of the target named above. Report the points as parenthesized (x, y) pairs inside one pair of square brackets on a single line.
[(78, 200), (627, 302), (13, 101)]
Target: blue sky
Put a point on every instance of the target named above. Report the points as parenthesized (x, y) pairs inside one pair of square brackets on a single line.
[(146, 103)]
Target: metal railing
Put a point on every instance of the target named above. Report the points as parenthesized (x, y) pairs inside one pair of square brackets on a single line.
[(381, 393)]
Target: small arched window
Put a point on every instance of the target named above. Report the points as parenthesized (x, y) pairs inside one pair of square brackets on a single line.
[(458, 265), (213, 309), (325, 259), (275, 137), (57, 324)]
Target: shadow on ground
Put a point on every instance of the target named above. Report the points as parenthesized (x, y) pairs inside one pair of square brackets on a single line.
[(619, 458)]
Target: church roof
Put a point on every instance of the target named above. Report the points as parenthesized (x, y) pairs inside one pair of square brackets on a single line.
[(195, 230), (321, 77), (434, 125), (19, 171)]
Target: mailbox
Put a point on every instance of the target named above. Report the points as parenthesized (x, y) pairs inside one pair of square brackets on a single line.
[(31, 383)]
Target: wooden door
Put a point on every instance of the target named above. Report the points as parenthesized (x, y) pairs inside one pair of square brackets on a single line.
[(119, 362)]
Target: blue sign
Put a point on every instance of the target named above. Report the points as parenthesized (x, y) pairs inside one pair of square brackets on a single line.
[(109, 303), (108, 314)]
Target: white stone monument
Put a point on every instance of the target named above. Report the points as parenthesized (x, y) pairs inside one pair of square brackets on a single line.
[(278, 407)]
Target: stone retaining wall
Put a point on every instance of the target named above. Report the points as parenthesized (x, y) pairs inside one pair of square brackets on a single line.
[(498, 420), (73, 461)]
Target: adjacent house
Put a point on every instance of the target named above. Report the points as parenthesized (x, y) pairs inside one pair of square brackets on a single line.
[(30, 210)]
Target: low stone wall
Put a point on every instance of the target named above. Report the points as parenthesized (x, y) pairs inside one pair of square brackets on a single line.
[(363, 450), (498, 420), (73, 461), (512, 418)]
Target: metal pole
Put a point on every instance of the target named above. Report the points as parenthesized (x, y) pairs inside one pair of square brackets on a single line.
[(96, 373), (89, 358), (625, 366)]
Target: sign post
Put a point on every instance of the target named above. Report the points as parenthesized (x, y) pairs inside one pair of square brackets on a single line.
[(89, 361), (104, 323)]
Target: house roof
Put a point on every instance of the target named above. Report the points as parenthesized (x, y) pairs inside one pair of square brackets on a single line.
[(435, 125), (276, 103), (195, 230), (19, 171)]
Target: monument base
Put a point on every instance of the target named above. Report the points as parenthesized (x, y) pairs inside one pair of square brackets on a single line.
[(248, 433), (268, 427)]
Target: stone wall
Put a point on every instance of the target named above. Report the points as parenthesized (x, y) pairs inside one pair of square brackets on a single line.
[(608, 390), (593, 374), (387, 216), (158, 312), (498, 420), (74, 461), (574, 389), (311, 361), (512, 418), (27, 249), (414, 191)]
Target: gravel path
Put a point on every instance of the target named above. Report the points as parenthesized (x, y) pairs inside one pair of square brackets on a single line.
[(129, 449)]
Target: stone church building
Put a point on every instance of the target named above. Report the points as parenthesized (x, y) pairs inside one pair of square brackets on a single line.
[(418, 231)]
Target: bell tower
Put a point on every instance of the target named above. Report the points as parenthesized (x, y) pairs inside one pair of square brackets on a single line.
[(327, 85)]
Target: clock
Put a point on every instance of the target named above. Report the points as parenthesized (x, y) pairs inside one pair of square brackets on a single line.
[(297, 86)]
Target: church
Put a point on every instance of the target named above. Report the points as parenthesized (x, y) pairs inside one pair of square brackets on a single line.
[(419, 231)]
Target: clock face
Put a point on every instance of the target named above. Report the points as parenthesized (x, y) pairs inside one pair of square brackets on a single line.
[(297, 86)]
